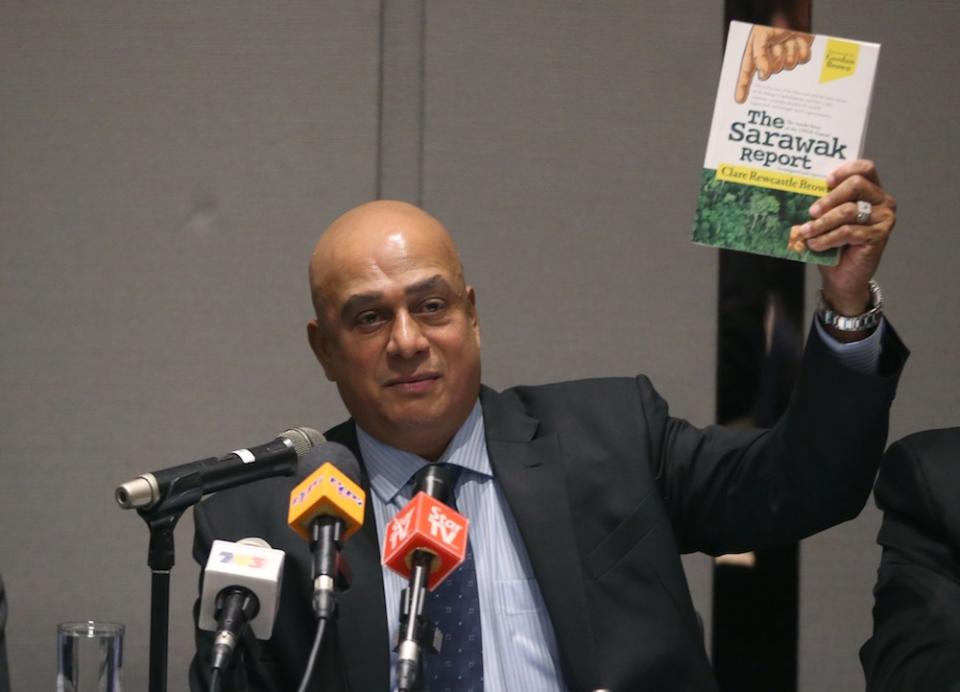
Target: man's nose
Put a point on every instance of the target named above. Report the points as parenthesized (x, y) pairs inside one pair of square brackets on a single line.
[(406, 338)]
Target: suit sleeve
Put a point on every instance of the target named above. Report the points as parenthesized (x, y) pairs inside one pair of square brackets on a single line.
[(916, 635), (731, 490)]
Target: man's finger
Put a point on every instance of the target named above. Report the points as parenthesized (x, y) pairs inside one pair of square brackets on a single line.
[(851, 189), (746, 75), (790, 54), (864, 167), (851, 234), (776, 58), (844, 214), (759, 52), (803, 48)]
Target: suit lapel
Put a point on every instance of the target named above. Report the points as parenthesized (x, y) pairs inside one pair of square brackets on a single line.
[(529, 470), (361, 626)]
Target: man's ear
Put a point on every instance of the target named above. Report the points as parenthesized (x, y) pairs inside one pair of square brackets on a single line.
[(319, 347), (472, 312)]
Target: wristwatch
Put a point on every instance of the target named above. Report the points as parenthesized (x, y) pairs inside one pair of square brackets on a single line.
[(858, 323)]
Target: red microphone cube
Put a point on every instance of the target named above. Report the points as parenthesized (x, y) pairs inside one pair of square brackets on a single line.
[(426, 524)]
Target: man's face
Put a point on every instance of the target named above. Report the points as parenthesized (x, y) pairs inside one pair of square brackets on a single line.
[(398, 334)]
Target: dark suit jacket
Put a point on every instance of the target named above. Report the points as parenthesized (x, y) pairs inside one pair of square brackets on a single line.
[(916, 618), (607, 490)]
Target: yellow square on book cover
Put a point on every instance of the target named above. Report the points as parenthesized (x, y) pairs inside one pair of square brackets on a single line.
[(326, 491)]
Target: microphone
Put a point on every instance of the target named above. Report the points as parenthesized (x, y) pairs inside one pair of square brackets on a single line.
[(426, 541), (275, 458), (241, 587), (429, 526), (326, 508)]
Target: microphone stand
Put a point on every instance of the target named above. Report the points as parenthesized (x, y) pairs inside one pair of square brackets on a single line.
[(161, 518), (416, 632)]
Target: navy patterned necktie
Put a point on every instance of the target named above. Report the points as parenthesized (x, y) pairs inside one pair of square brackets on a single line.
[(454, 607)]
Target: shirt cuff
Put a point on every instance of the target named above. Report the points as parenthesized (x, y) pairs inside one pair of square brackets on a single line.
[(861, 356)]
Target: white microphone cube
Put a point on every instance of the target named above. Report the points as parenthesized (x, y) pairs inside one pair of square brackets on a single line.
[(249, 566)]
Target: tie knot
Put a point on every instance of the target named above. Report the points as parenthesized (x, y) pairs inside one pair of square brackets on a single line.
[(437, 480)]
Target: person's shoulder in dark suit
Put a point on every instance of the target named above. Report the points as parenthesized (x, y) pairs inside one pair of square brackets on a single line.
[(916, 632)]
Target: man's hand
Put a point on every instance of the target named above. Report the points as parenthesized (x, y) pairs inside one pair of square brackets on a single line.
[(846, 286), (769, 51)]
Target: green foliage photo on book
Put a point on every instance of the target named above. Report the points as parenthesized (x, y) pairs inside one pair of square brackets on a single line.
[(790, 108)]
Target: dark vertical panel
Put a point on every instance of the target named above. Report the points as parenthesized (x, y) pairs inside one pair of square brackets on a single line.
[(400, 149), (760, 333)]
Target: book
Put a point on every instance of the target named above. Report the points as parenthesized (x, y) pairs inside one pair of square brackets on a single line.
[(790, 108)]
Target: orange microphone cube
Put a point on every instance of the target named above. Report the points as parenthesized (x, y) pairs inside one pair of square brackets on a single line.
[(326, 491), (426, 524)]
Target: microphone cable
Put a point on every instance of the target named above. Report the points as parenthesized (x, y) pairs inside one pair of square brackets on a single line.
[(314, 655)]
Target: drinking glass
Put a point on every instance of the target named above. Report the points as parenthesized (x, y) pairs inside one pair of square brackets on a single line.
[(89, 656)]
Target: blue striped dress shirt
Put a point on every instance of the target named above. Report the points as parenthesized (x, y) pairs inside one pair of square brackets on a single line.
[(519, 646), (860, 356)]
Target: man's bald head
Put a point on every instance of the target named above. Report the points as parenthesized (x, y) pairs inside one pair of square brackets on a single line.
[(396, 325), (363, 234)]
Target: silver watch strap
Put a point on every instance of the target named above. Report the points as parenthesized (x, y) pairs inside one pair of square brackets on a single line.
[(858, 323)]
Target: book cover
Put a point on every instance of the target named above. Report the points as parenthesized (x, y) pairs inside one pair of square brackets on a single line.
[(790, 108)]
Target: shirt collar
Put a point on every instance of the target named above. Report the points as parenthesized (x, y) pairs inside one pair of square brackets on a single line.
[(390, 469)]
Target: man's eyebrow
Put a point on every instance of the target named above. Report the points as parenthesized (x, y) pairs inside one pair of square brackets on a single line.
[(357, 300), (431, 283)]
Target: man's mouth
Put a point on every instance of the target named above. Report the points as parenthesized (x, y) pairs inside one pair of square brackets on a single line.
[(414, 382)]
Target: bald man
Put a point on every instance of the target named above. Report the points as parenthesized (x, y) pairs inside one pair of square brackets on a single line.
[(396, 327), (581, 495)]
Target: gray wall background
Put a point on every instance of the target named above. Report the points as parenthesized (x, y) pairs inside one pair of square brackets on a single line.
[(166, 168)]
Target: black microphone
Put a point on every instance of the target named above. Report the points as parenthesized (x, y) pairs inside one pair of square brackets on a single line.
[(241, 588), (236, 607), (437, 481), (275, 458), (326, 508)]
